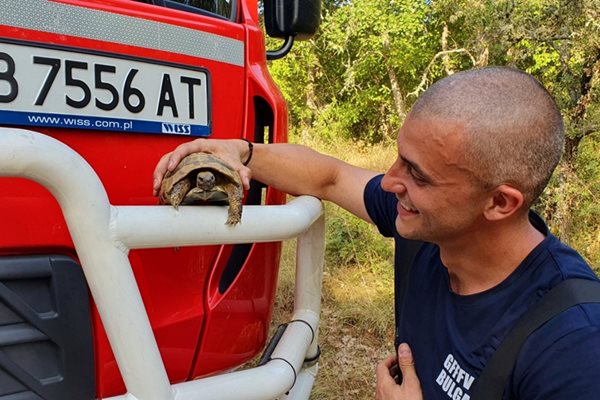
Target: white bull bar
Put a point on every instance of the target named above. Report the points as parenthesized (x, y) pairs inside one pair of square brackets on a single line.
[(103, 234)]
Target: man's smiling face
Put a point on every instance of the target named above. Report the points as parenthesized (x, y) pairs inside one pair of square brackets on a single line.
[(437, 197)]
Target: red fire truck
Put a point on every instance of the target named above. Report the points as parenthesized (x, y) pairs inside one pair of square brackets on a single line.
[(92, 94)]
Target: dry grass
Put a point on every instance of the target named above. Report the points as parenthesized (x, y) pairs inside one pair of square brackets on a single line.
[(378, 157), (356, 326), (357, 310), (357, 315)]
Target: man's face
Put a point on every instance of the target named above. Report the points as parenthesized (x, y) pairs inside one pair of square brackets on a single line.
[(437, 200)]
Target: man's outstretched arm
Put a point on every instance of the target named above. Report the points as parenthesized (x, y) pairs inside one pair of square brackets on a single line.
[(294, 169)]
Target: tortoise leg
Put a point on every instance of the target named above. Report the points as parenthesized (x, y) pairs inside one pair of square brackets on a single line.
[(177, 194), (234, 194)]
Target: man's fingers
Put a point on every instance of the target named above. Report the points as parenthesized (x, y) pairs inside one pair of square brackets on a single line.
[(384, 366), (159, 171), (407, 366), (395, 373), (405, 357), (169, 161), (385, 382), (184, 149), (227, 151), (388, 385)]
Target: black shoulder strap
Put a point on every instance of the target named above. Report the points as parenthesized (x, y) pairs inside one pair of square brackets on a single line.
[(405, 259), (494, 378)]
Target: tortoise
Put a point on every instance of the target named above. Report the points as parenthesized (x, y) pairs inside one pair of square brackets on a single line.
[(202, 177)]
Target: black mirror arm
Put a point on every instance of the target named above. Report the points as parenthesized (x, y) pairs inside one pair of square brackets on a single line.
[(282, 51)]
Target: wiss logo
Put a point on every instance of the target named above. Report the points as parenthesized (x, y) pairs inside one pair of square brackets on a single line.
[(177, 129)]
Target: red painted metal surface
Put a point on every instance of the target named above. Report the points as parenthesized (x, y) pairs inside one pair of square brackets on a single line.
[(199, 330)]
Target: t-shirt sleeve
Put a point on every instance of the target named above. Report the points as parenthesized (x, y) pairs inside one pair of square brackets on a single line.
[(381, 206), (562, 366)]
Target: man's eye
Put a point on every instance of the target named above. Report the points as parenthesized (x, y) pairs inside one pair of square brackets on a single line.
[(420, 181)]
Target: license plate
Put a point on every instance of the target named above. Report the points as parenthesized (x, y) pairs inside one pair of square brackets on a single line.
[(64, 88)]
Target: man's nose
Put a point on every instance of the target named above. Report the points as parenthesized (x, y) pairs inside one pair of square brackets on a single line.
[(392, 182)]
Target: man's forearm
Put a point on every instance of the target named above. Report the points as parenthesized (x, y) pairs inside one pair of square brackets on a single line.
[(298, 170), (294, 169)]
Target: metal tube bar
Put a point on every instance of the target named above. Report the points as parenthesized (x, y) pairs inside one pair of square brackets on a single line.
[(261, 383), (266, 382), (310, 254), (86, 209), (103, 234), (304, 383), (151, 226), (276, 377)]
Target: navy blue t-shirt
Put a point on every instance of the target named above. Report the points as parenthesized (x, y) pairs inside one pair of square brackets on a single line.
[(452, 336)]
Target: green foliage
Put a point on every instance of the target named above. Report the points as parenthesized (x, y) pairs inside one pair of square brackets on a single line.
[(372, 58), (559, 43), (357, 321), (350, 77), (354, 83), (571, 203), (351, 241)]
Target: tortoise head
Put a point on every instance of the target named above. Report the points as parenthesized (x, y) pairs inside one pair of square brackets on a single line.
[(205, 180)]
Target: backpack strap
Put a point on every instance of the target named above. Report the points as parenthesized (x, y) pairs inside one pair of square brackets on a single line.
[(404, 262), (496, 373)]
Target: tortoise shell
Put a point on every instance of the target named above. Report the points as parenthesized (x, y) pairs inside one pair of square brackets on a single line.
[(202, 177)]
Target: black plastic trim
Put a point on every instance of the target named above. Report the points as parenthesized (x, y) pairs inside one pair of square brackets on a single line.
[(46, 348), (240, 252)]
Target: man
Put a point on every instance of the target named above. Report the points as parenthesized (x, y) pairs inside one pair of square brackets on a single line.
[(474, 153)]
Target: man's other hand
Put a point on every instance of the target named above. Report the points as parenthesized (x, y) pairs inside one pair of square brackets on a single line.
[(389, 372)]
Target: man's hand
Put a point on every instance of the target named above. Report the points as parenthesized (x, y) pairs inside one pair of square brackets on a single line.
[(230, 151), (290, 168), (388, 375)]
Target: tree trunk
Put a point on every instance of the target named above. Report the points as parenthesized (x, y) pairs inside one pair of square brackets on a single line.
[(446, 55), (399, 103), (311, 103), (589, 79), (397, 93)]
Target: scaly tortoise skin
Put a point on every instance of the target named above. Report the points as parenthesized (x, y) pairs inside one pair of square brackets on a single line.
[(203, 177)]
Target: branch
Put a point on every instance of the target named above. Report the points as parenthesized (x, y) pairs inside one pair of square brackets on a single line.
[(591, 129), (421, 86), (446, 59)]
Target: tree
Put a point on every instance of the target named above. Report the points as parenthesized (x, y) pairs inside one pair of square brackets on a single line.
[(372, 58), (368, 56)]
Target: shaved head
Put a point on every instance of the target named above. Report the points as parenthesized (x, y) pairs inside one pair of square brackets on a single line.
[(513, 130)]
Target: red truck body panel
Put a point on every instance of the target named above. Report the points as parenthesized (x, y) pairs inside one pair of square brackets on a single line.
[(199, 328)]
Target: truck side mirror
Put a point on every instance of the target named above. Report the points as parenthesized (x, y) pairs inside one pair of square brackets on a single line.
[(291, 20)]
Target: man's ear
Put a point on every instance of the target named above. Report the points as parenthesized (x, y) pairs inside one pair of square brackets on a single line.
[(504, 202)]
